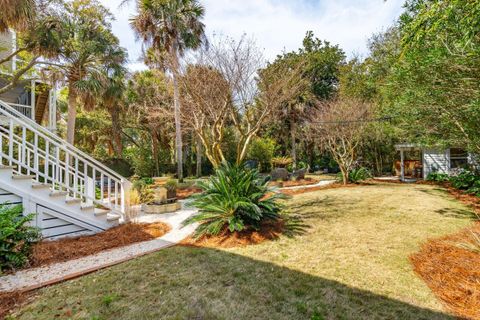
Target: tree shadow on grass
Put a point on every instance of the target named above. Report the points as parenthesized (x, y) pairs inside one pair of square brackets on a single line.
[(201, 283), (457, 213), (298, 214)]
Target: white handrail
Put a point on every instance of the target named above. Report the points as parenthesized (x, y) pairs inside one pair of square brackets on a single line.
[(52, 160), (30, 124)]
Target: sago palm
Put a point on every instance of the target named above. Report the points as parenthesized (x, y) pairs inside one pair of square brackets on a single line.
[(169, 28), (234, 199)]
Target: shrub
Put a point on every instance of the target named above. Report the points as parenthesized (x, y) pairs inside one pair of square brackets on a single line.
[(148, 181), (437, 177), (16, 237), (464, 180), (282, 162), (262, 150), (356, 175), (144, 190), (234, 199)]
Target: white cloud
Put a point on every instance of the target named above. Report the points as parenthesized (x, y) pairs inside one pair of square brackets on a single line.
[(279, 25)]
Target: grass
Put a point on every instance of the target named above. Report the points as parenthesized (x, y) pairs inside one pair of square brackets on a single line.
[(351, 262)]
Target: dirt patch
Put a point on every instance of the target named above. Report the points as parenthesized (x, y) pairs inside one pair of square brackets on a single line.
[(12, 300), (294, 183), (452, 272), (269, 231), (48, 252), (187, 192)]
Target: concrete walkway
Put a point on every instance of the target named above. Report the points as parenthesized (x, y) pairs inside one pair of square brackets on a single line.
[(320, 183), (39, 277)]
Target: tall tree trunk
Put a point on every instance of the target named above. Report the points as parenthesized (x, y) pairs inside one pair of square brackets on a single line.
[(116, 133), (72, 114), (155, 151), (293, 137), (198, 172), (177, 107), (344, 174)]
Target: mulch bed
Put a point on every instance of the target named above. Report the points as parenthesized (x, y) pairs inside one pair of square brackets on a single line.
[(48, 252), (269, 231), (466, 198), (187, 192), (452, 272)]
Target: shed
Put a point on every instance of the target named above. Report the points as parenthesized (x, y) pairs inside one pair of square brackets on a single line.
[(434, 159)]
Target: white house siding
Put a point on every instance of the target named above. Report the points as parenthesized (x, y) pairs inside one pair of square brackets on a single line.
[(10, 198), (6, 47), (55, 224), (435, 160)]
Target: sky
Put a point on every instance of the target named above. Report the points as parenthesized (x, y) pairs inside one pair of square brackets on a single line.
[(278, 25)]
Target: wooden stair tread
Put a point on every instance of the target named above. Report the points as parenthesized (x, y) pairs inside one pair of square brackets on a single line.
[(22, 177)]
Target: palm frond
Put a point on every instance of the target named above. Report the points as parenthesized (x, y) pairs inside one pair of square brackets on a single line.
[(233, 199)]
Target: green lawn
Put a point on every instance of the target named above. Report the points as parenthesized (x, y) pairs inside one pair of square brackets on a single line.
[(350, 263)]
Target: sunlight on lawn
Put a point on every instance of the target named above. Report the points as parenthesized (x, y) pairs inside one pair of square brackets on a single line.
[(351, 262)]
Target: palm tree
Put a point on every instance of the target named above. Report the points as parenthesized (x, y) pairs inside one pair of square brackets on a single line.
[(112, 94), (16, 14), (88, 45), (170, 27)]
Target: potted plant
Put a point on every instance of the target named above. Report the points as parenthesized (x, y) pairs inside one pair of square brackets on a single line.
[(171, 186)]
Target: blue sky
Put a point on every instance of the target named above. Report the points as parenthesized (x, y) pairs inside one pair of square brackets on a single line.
[(279, 25)]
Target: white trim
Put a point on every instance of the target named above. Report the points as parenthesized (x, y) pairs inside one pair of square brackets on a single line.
[(57, 157)]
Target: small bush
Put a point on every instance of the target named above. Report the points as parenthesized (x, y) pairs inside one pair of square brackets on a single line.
[(262, 150), (437, 177), (356, 175), (281, 162), (465, 180), (144, 190), (16, 237), (148, 181), (234, 199)]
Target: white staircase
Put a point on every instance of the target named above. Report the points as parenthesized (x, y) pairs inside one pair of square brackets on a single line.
[(70, 192)]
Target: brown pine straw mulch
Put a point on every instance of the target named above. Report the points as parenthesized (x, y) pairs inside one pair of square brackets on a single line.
[(187, 192), (452, 272), (449, 269), (48, 252), (270, 230)]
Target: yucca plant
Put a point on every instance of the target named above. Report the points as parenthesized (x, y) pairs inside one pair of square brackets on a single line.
[(234, 199)]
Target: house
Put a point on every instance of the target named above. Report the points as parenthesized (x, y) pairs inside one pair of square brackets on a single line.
[(31, 96), (430, 159), (69, 192)]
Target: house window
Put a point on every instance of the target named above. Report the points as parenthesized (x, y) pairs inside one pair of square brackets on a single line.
[(458, 158)]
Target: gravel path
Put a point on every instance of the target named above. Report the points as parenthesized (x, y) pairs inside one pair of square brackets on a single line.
[(39, 277), (321, 183)]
